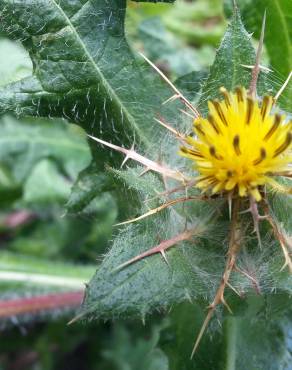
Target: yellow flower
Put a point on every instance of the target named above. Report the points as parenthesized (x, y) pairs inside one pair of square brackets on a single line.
[(240, 146)]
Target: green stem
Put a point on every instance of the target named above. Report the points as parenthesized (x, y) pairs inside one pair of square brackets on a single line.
[(41, 279), (36, 272), (231, 328)]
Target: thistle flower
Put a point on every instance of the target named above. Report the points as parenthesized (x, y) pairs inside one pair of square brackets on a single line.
[(240, 146)]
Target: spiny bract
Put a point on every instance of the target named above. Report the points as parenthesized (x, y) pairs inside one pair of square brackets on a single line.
[(240, 145)]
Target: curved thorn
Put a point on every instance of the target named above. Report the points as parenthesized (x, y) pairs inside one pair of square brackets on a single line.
[(158, 209), (256, 69), (172, 130), (160, 248), (280, 236), (202, 331), (178, 93)]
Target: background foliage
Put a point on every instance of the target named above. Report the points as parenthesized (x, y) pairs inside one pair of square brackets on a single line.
[(59, 202)]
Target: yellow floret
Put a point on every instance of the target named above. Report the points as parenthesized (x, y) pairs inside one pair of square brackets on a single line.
[(240, 145)]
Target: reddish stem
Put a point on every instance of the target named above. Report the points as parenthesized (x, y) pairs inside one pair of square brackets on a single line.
[(18, 218), (36, 304)]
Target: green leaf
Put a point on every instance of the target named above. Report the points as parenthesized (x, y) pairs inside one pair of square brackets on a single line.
[(191, 83), (90, 183), (151, 283), (126, 353), (83, 68), (50, 234), (235, 51), (177, 340), (24, 143), (165, 49), (278, 44), (9, 189), (242, 342), (188, 20), (256, 345), (154, 1), (16, 64), (45, 185)]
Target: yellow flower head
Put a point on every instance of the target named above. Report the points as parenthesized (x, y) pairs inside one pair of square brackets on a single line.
[(240, 145)]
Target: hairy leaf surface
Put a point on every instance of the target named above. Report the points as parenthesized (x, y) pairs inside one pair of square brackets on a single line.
[(228, 70), (83, 68)]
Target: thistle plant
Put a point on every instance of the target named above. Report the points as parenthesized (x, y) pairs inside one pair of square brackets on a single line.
[(237, 151), (206, 183)]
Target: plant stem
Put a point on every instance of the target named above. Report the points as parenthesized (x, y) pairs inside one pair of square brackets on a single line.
[(36, 304), (234, 246), (231, 328), (42, 279)]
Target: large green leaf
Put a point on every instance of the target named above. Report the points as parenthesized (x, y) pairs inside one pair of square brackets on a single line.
[(83, 68), (148, 284)]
